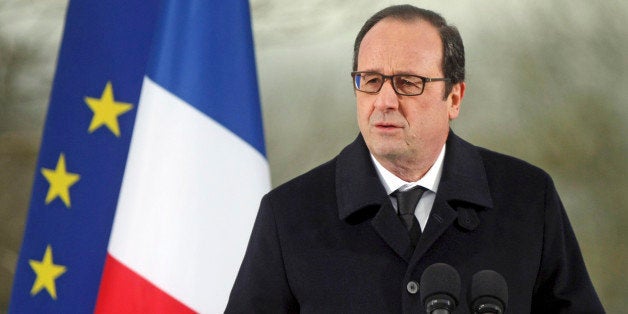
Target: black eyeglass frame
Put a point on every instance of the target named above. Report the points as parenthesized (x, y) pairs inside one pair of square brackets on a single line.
[(424, 81)]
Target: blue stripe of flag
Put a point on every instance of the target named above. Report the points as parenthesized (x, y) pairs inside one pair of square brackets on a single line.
[(200, 53)]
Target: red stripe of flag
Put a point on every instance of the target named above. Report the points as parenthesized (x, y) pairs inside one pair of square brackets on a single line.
[(125, 291)]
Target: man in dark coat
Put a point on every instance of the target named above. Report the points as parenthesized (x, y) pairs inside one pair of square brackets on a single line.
[(339, 239)]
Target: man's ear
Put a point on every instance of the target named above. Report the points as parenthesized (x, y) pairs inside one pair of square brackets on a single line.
[(455, 100)]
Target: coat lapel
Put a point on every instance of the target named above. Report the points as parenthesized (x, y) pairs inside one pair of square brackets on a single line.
[(441, 217), (387, 224), (462, 190), (358, 189)]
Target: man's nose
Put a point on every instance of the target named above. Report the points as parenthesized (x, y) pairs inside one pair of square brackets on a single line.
[(387, 98)]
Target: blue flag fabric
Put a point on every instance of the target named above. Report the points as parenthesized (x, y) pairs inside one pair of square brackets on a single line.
[(103, 42), (209, 69)]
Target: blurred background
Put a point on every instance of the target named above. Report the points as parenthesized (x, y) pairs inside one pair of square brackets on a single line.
[(546, 83)]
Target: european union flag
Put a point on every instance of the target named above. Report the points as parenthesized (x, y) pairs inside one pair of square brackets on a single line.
[(87, 133)]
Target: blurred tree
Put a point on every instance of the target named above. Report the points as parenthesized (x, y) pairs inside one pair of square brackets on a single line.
[(563, 71), (18, 149), (29, 37)]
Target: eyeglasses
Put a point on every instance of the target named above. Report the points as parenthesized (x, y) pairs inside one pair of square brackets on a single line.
[(403, 84)]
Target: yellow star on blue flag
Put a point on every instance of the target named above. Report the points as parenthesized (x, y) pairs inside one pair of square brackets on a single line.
[(60, 182), (106, 111), (47, 272)]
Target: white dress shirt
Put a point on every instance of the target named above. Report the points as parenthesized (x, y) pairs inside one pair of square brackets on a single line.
[(429, 181)]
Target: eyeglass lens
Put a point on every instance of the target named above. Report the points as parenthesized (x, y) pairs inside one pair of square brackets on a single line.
[(403, 84)]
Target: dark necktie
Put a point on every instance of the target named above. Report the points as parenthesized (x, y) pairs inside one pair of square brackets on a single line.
[(406, 204)]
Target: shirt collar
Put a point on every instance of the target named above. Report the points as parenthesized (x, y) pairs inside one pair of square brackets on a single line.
[(429, 181)]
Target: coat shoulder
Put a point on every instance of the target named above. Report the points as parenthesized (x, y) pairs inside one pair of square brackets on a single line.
[(499, 165), (315, 183)]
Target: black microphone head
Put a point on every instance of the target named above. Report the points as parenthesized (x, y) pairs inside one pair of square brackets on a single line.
[(440, 287), (488, 293)]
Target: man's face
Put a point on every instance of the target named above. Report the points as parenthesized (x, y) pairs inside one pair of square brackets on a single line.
[(405, 133)]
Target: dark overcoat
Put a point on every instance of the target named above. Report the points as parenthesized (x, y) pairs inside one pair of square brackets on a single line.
[(329, 241)]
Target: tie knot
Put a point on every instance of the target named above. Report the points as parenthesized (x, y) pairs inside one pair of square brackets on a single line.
[(407, 200)]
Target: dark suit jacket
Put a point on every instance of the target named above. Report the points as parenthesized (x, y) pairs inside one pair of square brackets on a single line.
[(329, 241)]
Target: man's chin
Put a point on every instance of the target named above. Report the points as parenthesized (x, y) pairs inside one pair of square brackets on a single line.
[(388, 152)]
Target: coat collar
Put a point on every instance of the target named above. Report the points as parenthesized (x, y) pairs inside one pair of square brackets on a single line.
[(462, 189), (357, 183), (464, 176), (463, 180)]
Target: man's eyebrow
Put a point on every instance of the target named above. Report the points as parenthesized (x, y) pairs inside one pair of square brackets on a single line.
[(394, 73)]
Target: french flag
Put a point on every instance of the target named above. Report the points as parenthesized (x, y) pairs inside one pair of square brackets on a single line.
[(196, 167), (190, 169)]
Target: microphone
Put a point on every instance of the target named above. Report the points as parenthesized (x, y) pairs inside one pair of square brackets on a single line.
[(440, 288), (489, 293)]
